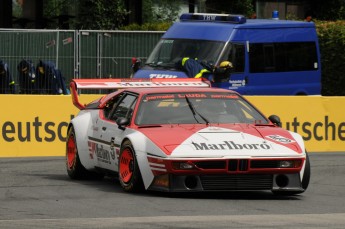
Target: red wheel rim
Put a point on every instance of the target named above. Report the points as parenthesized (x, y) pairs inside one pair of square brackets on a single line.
[(71, 152), (126, 165)]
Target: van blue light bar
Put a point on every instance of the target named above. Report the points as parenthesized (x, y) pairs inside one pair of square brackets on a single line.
[(236, 19)]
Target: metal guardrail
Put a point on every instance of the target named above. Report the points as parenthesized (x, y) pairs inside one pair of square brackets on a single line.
[(77, 54)]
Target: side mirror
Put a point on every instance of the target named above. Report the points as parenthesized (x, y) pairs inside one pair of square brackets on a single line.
[(275, 120), (122, 123)]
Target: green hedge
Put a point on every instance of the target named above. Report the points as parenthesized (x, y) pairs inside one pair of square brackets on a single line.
[(159, 26), (332, 47)]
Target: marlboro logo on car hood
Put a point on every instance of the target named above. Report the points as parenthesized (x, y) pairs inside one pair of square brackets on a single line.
[(225, 141)]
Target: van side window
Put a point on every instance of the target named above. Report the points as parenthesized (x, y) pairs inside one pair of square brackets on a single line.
[(235, 53), (237, 58), (282, 57)]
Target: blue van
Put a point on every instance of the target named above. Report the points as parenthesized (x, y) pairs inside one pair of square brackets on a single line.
[(269, 57)]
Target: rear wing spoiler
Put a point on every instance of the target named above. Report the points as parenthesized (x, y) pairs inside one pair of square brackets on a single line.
[(79, 84)]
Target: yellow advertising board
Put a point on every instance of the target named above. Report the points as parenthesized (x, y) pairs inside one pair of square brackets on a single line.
[(318, 119), (36, 125)]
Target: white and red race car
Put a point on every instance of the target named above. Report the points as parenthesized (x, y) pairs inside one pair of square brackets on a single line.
[(180, 135)]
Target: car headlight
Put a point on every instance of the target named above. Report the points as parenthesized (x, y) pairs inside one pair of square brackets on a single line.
[(290, 163), (183, 165)]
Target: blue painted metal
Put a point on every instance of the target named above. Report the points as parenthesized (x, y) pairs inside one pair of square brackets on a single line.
[(235, 29)]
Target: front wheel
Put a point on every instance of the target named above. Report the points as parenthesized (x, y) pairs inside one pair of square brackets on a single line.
[(129, 173)]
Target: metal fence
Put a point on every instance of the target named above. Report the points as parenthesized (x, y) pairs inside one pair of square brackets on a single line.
[(77, 54)]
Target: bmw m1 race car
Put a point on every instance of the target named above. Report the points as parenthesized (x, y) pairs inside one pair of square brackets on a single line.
[(181, 135)]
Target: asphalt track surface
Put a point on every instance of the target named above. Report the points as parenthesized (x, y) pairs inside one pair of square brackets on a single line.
[(37, 193)]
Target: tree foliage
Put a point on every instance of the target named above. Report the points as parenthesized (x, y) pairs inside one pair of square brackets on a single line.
[(327, 10), (156, 26), (244, 7), (157, 15), (101, 14), (53, 9), (332, 43), (160, 11), (82, 14)]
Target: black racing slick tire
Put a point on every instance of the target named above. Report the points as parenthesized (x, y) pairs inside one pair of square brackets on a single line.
[(129, 174), (306, 176), (75, 168), (304, 183)]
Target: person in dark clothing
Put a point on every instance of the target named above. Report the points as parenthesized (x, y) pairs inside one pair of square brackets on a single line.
[(6, 81), (200, 69)]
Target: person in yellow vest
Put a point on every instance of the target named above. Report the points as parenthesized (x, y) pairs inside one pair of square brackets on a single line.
[(197, 69)]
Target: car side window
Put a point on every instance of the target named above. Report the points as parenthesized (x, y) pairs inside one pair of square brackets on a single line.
[(124, 107), (111, 104)]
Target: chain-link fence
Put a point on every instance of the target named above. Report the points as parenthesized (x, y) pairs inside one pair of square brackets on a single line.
[(76, 54)]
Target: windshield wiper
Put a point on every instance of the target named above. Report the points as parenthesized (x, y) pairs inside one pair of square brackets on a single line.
[(192, 108), (263, 124)]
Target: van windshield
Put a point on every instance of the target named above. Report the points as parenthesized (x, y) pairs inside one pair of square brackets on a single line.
[(169, 51)]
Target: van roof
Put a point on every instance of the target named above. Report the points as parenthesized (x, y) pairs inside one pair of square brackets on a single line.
[(269, 23), (221, 31)]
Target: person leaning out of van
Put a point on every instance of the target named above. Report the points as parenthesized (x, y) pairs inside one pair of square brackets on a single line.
[(195, 68)]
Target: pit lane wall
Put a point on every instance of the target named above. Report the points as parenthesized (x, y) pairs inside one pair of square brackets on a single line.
[(36, 125)]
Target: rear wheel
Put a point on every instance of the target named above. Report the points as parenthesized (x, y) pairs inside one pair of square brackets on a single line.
[(75, 168), (305, 181), (129, 173)]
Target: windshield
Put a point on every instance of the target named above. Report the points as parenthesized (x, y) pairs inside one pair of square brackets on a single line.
[(169, 51), (196, 107)]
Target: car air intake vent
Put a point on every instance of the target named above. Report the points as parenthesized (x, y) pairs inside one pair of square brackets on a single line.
[(211, 164), (262, 164), (243, 165), (238, 165), (237, 182)]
